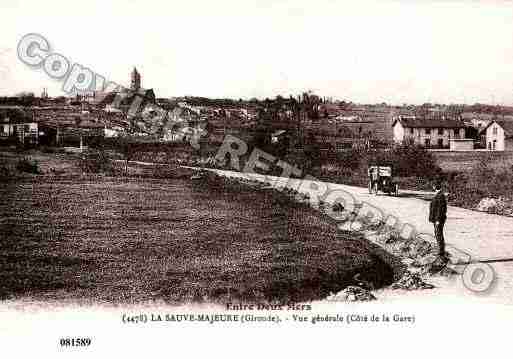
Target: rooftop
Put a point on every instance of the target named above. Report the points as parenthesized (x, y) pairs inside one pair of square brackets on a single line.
[(430, 123), (506, 125)]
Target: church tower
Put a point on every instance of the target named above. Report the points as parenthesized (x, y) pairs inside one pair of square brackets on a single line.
[(135, 81)]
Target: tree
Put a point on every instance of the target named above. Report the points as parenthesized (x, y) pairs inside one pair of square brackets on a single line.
[(26, 98), (25, 94), (312, 151), (262, 130), (60, 99)]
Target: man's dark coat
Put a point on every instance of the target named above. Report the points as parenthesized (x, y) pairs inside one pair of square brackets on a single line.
[(438, 208)]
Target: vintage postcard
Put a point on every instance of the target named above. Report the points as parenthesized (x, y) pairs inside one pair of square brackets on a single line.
[(256, 178)]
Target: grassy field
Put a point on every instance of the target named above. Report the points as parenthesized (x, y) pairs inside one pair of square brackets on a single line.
[(465, 161), (125, 240)]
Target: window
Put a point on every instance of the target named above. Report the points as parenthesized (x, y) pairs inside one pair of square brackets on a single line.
[(440, 143), (428, 131), (27, 128), (494, 130), (411, 130), (426, 142), (441, 131)]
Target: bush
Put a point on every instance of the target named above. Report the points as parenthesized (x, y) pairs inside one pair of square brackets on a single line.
[(413, 162), (28, 166), (469, 189), (408, 159), (351, 159), (501, 206)]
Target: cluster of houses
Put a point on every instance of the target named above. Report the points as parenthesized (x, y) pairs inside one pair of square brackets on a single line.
[(102, 114), (56, 125), (454, 135), (70, 128), (342, 124), (52, 126), (25, 131)]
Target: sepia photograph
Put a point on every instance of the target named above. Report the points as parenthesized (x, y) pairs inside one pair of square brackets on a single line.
[(249, 178)]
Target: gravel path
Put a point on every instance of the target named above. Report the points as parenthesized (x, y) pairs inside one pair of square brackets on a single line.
[(469, 234)]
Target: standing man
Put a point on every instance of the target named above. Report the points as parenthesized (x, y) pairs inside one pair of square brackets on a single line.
[(438, 216), (374, 177)]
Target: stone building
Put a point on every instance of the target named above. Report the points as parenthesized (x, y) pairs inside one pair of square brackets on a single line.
[(135, 81), (431, 133)]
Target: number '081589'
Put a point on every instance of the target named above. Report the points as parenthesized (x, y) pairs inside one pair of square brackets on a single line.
[(75, 342)]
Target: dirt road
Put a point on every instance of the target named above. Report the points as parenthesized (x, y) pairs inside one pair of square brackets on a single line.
[(469, 234)]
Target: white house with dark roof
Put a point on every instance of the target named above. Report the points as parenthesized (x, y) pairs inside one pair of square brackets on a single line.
[(24, 129), (498, 136), (433, 133)]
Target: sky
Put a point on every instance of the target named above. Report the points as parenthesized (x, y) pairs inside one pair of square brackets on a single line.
[(362, 51)]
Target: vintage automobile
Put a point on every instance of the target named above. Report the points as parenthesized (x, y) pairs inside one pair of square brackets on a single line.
[(380, 179)]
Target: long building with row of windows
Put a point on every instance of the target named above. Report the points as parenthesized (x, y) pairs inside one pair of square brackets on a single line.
[(431, 133), (453, 134)]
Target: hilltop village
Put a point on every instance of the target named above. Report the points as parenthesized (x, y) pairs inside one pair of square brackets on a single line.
[(335, 124)]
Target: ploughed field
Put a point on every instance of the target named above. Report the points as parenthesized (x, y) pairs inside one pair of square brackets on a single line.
[(119, 240)]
